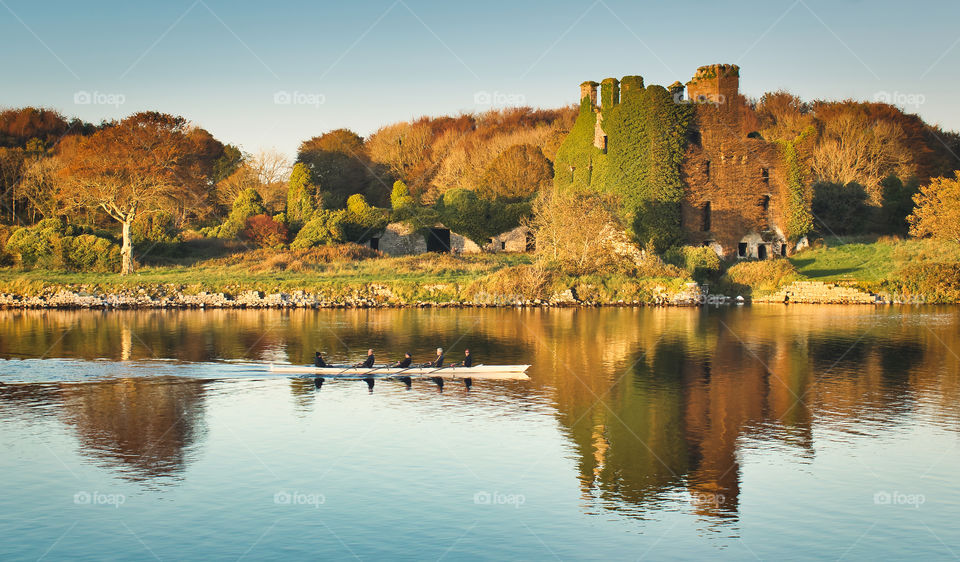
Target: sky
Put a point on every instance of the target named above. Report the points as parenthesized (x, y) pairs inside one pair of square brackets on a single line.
[(269, 75)]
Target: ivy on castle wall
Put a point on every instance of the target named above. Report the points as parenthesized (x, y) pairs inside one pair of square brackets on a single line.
[(799, 221), (576, 155), (647, 135)]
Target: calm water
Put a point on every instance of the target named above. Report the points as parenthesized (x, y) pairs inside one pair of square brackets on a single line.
[(754, 432)]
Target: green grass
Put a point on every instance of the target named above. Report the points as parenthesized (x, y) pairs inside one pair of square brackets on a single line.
[(869, 259), (272, 273)]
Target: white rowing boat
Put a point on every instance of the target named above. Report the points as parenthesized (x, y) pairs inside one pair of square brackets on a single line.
[(477, 372)]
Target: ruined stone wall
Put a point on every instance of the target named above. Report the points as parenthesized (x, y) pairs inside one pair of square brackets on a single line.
[(399, 240), (511, 241), (742, 178)]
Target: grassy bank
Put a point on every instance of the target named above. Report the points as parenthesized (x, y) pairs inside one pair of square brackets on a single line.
[(870, 259), (924, 270), (338, 273)]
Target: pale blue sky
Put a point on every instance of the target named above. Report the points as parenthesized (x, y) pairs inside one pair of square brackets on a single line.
[(365, 64)]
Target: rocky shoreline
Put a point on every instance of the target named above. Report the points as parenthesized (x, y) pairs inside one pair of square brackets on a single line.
[(692, 295), (176, 299)]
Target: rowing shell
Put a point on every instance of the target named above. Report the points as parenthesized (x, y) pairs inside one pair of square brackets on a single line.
[(478, 372)]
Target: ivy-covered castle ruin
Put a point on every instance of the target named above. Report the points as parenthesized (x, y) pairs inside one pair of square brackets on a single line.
[(687, 167)]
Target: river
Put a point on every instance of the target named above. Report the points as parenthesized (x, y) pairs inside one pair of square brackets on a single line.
[(736, 432)]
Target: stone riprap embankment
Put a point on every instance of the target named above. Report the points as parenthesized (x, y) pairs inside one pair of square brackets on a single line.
[(816, 292)]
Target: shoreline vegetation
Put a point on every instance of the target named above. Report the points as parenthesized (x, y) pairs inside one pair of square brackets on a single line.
[(856, 270)]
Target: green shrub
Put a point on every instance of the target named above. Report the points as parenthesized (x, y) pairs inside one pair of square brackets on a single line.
[(154, 227), (840, 209), (400, 196), (477, 218), (248, 204), (759, 277), (53, 245), (92, 253), (326, 227), (700, 261), (303, 196), (362, 221), (928, 282)]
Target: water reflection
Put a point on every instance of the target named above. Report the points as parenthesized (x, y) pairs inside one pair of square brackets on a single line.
[(656, 403), (140, 428)]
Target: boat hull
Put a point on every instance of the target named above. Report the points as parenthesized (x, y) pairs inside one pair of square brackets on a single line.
[(479, 372)]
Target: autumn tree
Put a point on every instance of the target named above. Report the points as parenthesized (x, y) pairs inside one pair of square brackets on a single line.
[(783, 116), (338, 163), (39, 185), (143, 163), (855, 145), (937, 211), (265, 172), (517, 173), (579, 231)]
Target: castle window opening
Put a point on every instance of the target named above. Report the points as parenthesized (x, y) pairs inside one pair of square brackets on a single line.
[(742, 250), (604, 149), (761, 251), (765, 205), (374, 243), (765, 175), (783, 250), (705, 218), (706, 168)]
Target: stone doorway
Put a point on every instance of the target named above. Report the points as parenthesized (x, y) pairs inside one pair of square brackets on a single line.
[(438, 240)]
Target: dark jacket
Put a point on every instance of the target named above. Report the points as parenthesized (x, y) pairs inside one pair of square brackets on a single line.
[(319, 362), (438, 362), (368, 362), (467, 361), (404, 363)]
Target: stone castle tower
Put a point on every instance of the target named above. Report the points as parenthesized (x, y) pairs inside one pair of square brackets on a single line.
[(736, 194), (715, 83)]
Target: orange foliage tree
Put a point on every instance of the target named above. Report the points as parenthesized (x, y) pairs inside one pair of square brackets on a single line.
[(937, 213), (137, 166)]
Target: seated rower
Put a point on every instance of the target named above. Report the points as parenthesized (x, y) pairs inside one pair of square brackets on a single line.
[(318, 360), (368, 362), (467, 360), (438, 362), (405, 362)]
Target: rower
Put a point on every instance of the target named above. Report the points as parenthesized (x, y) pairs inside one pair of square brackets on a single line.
[(318, 360), (405, 362), (438, 362), (368, 362), (467, 360)]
